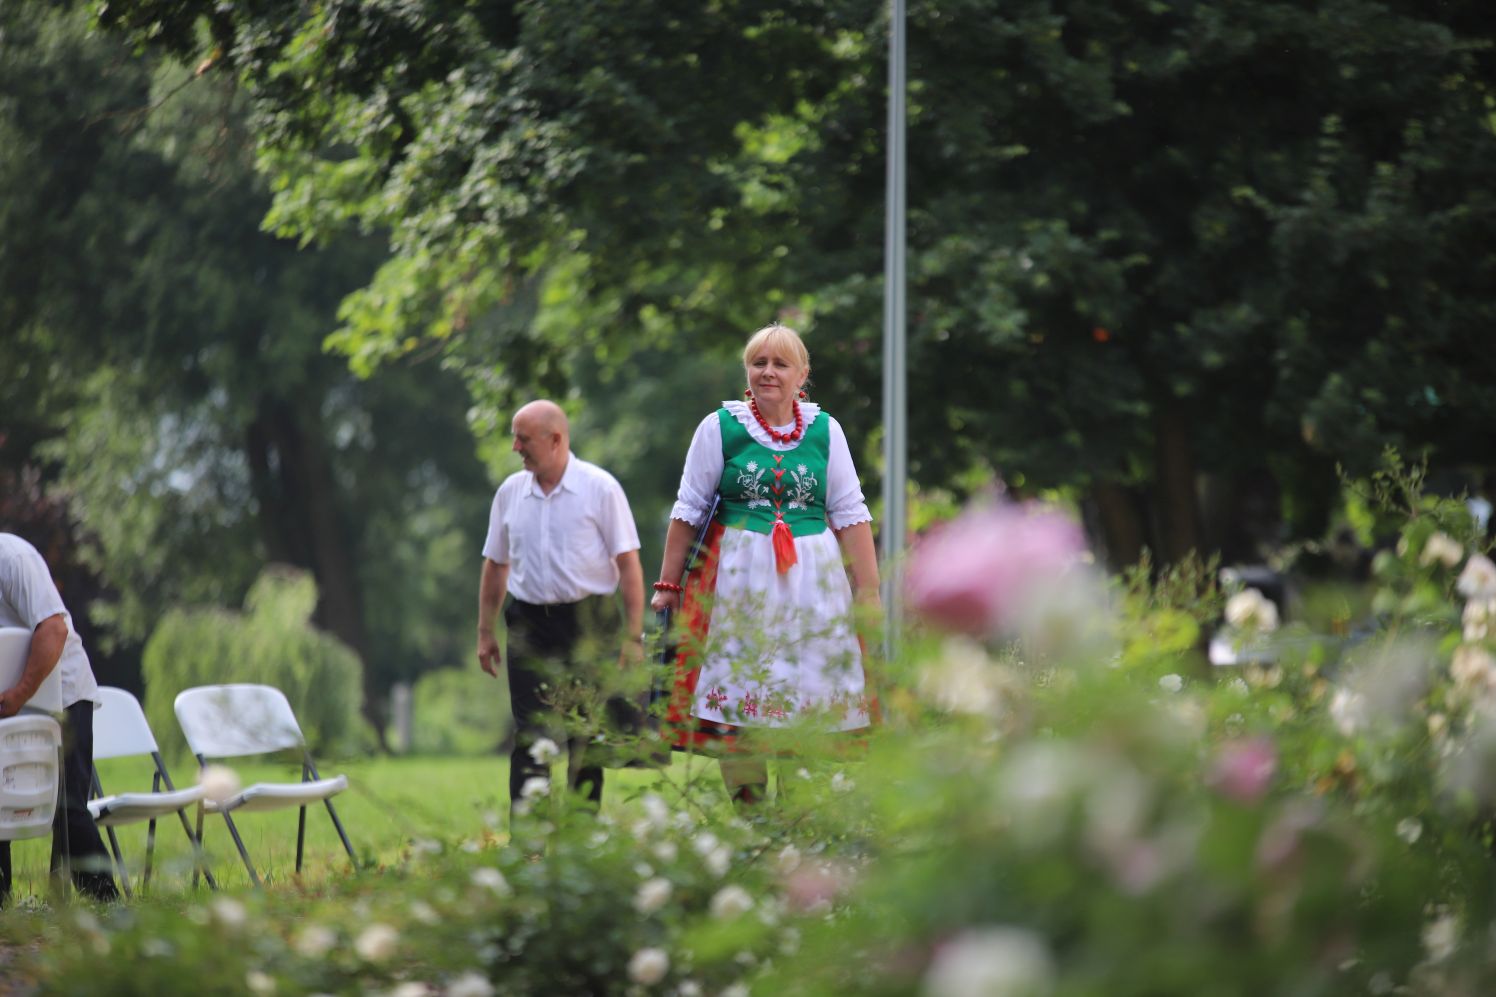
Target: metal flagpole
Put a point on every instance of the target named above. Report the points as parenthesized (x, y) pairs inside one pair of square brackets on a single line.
[(895, 403)]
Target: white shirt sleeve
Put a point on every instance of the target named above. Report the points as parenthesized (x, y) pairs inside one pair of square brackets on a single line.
[(29, 588), (702, 473), (496, 544), (845, 505), (615, 518)]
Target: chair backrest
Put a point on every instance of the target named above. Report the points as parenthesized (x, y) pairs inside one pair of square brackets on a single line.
[(29, 747), (120, 727), (224, 721), (15, 645)]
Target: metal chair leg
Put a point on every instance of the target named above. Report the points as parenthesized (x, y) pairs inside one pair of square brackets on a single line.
[(198, 837), (254, 877), (341, 833), (201, 860), (300, 836)]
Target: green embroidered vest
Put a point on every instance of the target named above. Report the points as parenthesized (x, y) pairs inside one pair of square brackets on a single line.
[(759, 485)]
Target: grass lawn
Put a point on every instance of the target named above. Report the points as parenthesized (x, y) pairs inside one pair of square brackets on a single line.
[(390, 803)]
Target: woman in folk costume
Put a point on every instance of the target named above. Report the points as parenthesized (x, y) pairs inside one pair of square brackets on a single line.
[(770, 641)]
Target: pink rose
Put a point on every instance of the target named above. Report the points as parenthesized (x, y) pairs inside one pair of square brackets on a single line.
[(813, 886), (1243, 770), (968, 575)]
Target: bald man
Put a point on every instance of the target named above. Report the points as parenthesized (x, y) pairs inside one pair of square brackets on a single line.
[(562, 545)]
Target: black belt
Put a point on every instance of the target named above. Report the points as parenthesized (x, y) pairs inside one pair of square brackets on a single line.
[(554, 608)]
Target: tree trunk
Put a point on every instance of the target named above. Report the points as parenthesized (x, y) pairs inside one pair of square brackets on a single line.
[(1121, 523), (1177, 509), (302, 523)]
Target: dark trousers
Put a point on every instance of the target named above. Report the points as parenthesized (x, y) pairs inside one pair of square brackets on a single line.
[(547, 665), (72, 822)]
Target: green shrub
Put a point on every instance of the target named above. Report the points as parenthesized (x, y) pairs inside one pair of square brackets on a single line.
[(458, 711), (272, 642)]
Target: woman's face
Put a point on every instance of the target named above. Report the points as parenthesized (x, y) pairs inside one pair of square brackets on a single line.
[(774, 377)]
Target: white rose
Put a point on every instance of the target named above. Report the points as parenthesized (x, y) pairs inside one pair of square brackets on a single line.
[(649, 966), (376, 943), (259, 982), (1171, 683), (316, 940), (1441, 937), (962, 680), (229, 912), (718, 861), (1443, 549), (219, 782), (544, 750), (788, 860), (652, 895), (470, 984), (841, 784), (1251, 610), (1348, 711), (656, 810), (492, 879), (1478, 580), (1410, 829), (1472, 668), (535, 787), (1476, 618), (991, 962), (413, 988), (730, 902), (1438, 727)]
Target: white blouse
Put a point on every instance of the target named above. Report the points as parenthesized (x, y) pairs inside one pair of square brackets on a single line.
[(845, 505)]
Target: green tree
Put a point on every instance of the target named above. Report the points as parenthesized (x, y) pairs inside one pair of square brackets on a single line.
[(179, 387), (1150, 241)]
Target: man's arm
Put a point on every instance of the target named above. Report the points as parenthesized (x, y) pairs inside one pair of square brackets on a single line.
[(492, 586), (47, 641), (631, 585)]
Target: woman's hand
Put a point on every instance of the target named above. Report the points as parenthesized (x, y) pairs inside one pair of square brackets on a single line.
[(664, 600)]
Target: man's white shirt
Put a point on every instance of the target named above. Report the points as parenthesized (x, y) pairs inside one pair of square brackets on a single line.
[(561, 547), (27, 597)]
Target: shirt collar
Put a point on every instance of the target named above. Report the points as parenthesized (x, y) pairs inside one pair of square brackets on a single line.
[(568, 480)]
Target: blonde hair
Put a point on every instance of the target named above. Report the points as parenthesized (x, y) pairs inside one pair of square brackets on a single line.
[(780, 339)]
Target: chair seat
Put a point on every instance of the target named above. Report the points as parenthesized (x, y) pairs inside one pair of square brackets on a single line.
[(131, 808), (276, 795)]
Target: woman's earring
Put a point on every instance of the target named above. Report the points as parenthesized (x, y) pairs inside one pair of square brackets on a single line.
[(747, 392), (803, 395)]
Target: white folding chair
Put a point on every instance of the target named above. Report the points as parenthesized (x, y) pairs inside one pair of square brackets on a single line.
[(30, 748), (231, 721), (122, 731), (15, 645), (30, 760)]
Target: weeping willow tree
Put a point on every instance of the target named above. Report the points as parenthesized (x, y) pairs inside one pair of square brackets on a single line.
[(271, 642)]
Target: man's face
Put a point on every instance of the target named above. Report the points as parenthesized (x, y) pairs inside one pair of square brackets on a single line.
[(536, 447)]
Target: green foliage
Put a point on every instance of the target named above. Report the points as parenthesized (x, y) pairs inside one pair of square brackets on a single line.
[(1155, 239), (1316, 823), (458, 711), (1169, 613), (170, 369), (273, 643)]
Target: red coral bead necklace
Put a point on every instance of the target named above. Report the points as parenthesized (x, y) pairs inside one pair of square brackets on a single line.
[(774, 434)]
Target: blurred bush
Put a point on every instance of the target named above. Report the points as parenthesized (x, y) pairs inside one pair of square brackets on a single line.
[(458, 711)]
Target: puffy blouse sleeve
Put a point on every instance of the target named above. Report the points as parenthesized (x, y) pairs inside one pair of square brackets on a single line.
[(845, 505), (702, 473)]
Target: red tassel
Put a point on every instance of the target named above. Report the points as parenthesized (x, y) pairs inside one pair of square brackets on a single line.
[(784, 546)]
